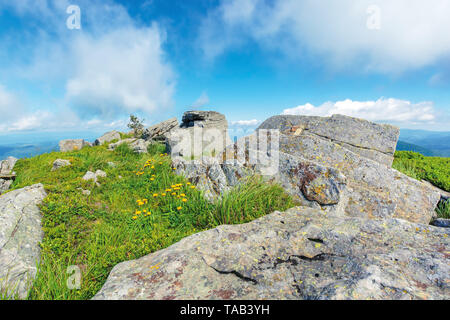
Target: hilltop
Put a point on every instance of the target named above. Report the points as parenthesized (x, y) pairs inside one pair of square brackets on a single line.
[(149, 215)]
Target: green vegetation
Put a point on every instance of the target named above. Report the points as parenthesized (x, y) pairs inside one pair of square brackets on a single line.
[(140, 207), (435, 170)]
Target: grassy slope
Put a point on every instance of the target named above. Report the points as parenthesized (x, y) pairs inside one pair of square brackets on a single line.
[(110, 226), (435, 170)]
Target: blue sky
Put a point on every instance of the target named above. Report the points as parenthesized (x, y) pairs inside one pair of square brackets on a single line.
[(386, 61)]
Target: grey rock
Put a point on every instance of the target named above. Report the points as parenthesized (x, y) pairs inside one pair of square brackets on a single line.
[(368, 139), (159, 131), (137, 145), (7, 166), (204, 119), (73, 145), (6, 173), (373, 188), (107, 137), (59, 163), (94, 176), (441, 223), (84, 192), (112, 164), (300, 254), (89, 176), (5, 185), (20, 234)]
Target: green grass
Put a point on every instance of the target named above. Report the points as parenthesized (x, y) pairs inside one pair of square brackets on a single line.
[(443, 209), (436, 170), (98, 231)]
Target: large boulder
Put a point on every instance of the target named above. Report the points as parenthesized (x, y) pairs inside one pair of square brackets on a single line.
[(6, 173), (137, 145), (72, 145), (107, 137), (368, 139), (202, 133), (372, 188), (59, 163), (20, 234), (303, 253), (159, 131), (7, 166)]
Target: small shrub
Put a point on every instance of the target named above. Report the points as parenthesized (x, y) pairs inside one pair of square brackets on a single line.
[(136, 125)]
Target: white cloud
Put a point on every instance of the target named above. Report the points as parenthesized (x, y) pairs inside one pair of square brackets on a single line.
[(123, 70), (201, 101), (10, 106), (110, 68), (413, 34), (383, 110), (248, 123)]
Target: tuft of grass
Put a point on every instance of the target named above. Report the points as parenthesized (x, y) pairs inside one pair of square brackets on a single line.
[(443, 209), (131, 214)]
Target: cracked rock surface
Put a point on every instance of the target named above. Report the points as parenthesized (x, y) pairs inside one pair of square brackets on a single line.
[(303, 253), (20, 234)]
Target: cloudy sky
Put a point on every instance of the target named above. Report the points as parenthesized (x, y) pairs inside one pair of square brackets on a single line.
[(382, 60)]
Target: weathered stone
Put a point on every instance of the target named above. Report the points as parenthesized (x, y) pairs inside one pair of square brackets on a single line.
[(368, 139), (7, 166), (373, 188), (4, 185), (59, 163), (303, 253), (159, 131), (72, 145), (137, 145), (6, 173), (94, 176), (20, 234), (107, 137), (204, 119)]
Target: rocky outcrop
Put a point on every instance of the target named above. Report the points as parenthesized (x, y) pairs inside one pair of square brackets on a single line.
[(59, 163), (7, 174), (303, 253), (320, 172), (20, 234), (72, 145), (441, 223), (202, 133), (367, 139), (159, 131), (107, 137), (94, 176), (137, 145)]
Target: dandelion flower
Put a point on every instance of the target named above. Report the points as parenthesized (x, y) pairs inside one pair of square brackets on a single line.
[(163, 194), (183, 195), (179, 208), (188, 183), (184, 200), (174, 193), (135, 217), (155, 195)]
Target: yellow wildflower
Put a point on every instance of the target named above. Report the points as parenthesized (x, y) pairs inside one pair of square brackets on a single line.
[(135, 217), (184, 200), (155, 195), (179, 208)]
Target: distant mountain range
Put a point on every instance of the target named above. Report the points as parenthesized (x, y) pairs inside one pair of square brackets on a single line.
[(25, 145), (428, 143)]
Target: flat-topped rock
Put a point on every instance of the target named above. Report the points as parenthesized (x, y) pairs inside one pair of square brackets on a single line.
[(300, 254), (7, 166), (371, 140), (107, 137), (72, 145), (204, 119), (20, 234), (59, 163), (159, 131)]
